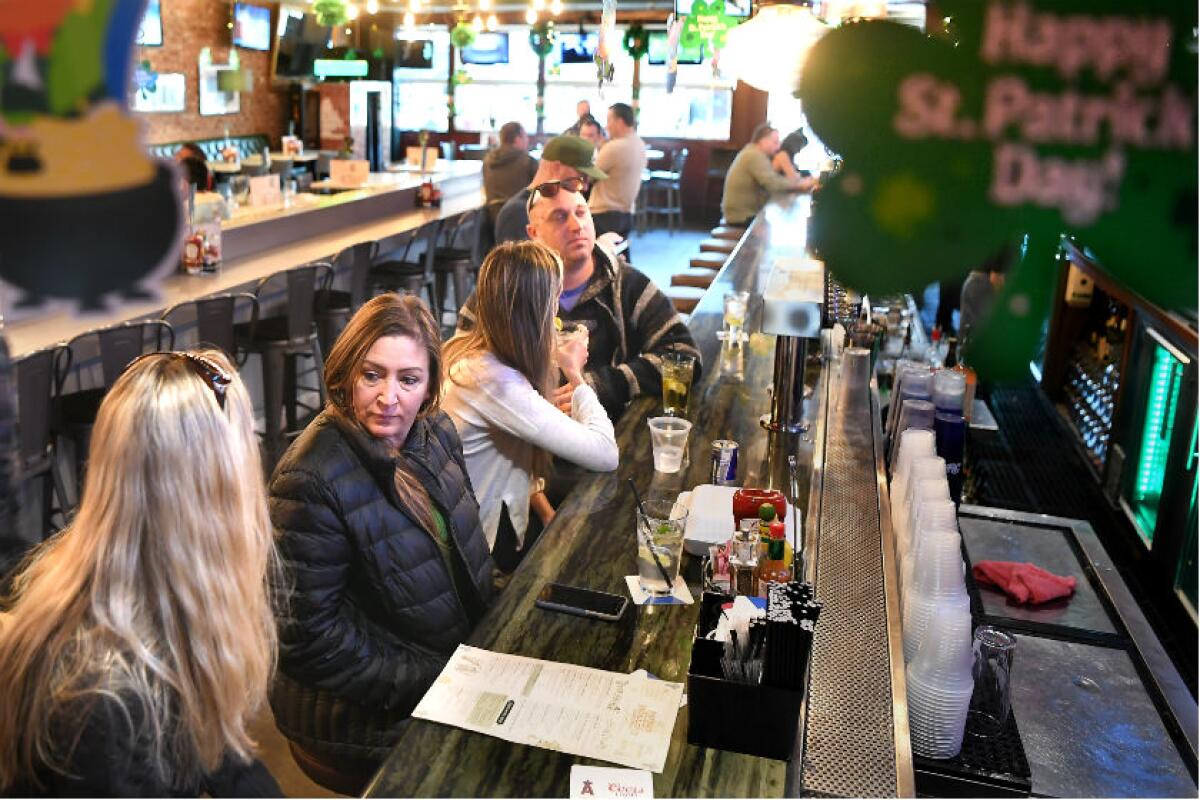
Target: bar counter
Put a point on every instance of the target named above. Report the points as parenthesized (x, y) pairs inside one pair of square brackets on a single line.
[(591, 543), (260, 241)]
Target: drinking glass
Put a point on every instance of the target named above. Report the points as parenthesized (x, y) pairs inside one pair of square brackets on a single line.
[(677, 370), (660, 544), (734, 320), (289, 192), (990, 704), (668, 439)]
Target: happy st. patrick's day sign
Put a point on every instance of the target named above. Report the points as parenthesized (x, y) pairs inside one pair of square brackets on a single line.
[(1020, 122)]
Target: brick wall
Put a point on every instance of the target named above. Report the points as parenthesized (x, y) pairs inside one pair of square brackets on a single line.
[(188, 26)]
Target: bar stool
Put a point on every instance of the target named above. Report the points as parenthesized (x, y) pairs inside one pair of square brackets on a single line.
[(713, 261), (694, 276), (684, 298), (412, 273), (37, 390), (663, 193), (459, 263), (334, 307), (730, 232), (214, 319), (718, 246), (279, 340), (74, 413)]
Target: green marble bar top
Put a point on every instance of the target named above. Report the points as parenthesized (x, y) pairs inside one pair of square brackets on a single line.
[(591, 543)]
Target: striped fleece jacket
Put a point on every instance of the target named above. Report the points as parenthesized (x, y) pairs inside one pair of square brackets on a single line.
[(630, 324)]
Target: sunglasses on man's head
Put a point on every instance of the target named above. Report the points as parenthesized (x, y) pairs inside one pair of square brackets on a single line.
[(214, 377), (550, 188)]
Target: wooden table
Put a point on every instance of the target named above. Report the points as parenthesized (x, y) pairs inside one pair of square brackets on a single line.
[(591, 543)]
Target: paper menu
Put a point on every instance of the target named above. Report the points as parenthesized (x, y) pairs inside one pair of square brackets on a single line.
[(624, 719)]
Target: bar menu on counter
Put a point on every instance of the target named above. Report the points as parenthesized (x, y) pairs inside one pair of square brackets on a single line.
[(625, 719)]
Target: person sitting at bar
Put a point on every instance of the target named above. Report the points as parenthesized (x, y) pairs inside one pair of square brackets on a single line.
[(508, 169), (563, 157), (140, 641), (630, 322), (751, 178), (784, 161), (501, 377), (195, 166), (381, 541), (623, 159)]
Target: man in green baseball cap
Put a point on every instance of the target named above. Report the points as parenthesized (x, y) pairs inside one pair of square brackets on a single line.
[(564, 158)]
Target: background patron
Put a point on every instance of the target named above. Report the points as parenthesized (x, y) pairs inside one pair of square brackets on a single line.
[(508, 169), (623, 158), (563, 157), (751, 179)]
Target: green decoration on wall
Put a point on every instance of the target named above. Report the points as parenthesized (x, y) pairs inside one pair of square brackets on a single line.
[(707, 24), (636, 41), (77, 69), (542, 37), (330, 12), (1038, 119), (462, 35)]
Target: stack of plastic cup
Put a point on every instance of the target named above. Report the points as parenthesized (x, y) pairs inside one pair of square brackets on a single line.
[(940, 686), (913, 414), (921, 468), (903, 365), (936, 582), (949, 389), (928, 514), (914, 443)]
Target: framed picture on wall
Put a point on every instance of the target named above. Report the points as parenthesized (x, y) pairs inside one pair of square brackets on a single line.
[(166, 94), (212, 100), (150, 33)]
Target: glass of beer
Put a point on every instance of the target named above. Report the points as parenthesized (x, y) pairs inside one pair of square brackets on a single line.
[(677, 370)]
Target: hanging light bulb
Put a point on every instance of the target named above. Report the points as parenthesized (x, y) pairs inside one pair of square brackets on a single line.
[(539, 5), (372, 6), (477, 23), (351, 11), (556, 7), (410, 20), (484, 5), (530, 16), (784, 30), (492, 22)]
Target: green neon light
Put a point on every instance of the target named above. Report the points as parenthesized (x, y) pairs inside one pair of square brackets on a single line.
[(338, 68), (1161, 404)]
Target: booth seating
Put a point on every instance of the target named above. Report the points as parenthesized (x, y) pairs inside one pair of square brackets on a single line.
[(248, 145)]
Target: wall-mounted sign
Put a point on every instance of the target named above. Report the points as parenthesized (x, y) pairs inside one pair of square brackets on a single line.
[(1022, 121), (213, 101), (168, 93)]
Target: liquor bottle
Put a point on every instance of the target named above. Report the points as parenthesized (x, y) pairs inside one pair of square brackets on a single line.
[(773, 569)]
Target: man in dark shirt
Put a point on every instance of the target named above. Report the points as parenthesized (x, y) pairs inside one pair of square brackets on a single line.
[(508, 169)]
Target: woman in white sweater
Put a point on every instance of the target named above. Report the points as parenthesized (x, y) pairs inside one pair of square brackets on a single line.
[(502, 392)]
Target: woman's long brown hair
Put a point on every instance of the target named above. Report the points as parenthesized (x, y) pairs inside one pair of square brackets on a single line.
[(387, 315)]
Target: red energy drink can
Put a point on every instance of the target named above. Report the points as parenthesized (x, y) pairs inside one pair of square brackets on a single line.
[(723, 471)]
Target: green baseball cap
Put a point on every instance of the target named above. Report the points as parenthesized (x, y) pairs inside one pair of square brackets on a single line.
[(574, 151)]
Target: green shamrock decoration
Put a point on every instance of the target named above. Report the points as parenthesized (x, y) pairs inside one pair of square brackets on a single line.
[(1034, 120), (542, 38), (636, 41), (330, 12), (708, 23), (462, 35)]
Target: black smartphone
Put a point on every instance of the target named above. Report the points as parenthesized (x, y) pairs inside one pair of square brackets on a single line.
[(582, 602)]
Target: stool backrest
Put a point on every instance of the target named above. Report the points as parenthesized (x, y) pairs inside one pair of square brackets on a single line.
[(36, 388), (215, 318), (118, 345), (679, 161), (302, 283), (357, 259)]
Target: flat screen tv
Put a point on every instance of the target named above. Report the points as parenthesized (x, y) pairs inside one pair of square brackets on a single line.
[(301, 42), (251, 26), (414, 54), (490, 47), (733, 8), (578, 48), (658, 50), (150, 30)]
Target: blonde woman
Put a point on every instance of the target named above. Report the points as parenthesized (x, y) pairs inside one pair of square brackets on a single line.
[(139, 641), (501, 387), (380, 537)]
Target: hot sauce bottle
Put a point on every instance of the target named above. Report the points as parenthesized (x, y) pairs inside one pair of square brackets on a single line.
[(773, 569)]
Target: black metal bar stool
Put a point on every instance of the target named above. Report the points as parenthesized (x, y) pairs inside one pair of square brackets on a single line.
[(37, 389), (215, 317), (663, 193), (402, 270), (74, 413), (334, 307), (457, 257), (280, 339)]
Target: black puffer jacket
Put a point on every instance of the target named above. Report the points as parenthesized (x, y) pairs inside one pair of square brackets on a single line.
[(373, 614)]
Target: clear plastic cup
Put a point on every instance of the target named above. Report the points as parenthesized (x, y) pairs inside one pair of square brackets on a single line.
[(914, 443), (734, 319), (668, 438), (913, 414), (923, 468)]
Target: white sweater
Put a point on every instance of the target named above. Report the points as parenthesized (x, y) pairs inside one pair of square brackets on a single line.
[(501, 418)]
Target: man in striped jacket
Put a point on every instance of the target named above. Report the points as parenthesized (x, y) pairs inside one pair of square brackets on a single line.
[(630, 322)]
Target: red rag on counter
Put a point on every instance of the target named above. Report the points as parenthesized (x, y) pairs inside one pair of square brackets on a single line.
[(1023, 582)]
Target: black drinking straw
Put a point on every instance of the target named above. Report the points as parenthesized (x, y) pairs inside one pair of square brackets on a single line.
[(650, 544)]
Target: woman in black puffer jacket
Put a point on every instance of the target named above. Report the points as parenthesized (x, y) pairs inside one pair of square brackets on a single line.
[(380, 536)]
